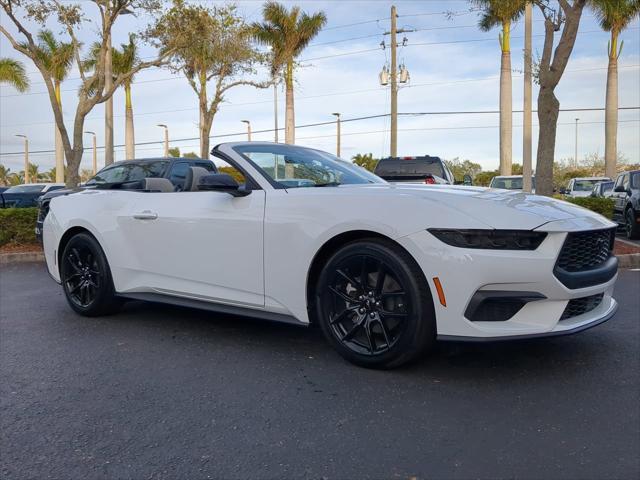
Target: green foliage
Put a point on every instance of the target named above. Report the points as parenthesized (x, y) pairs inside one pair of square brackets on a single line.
[(460, 169), (365, 160), (287, 32), (17, 225), (14, 73), (614, 15), (496, 12), (233, 172), (483, 179), (174, 152), (603, 206), (191, 155), (56, 56)]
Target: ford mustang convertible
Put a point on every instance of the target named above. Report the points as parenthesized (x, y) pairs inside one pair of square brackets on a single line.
[(298, 235)]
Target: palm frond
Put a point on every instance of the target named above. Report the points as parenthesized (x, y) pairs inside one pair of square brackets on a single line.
[(14, 73), (615, 14)]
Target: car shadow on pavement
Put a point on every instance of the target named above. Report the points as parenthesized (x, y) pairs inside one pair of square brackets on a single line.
[(564, 356)]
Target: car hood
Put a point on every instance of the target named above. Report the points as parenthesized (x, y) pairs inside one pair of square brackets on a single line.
[(503, 209)]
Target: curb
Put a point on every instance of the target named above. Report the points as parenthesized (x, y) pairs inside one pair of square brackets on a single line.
[(21, 257), (631, 260)]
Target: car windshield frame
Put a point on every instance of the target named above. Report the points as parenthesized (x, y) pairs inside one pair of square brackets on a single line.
[(317, 163), (25, 189)]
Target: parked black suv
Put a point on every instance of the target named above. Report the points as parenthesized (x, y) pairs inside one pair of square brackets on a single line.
[(626, 194), (129, 174), (424, 169)]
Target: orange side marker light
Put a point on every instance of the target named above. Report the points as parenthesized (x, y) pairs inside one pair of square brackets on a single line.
[(441, 297)]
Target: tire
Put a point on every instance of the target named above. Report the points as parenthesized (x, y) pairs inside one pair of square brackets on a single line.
[(387, 323), (631, 227), (86, 277)]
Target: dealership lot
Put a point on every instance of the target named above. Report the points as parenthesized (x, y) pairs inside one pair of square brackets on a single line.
[(158, 392)]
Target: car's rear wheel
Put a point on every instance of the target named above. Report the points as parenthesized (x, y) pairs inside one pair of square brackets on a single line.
[(631, 227), (86, 277), (374, 306)]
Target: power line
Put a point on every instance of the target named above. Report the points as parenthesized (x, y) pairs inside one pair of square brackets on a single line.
[(332, 122)]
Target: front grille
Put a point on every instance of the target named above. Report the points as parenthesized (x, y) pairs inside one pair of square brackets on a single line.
[(585, 250), (578, 306)]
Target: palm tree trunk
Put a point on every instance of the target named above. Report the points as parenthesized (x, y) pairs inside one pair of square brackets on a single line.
[(611, 110), (58, 141), (129, 136), (548, 108), (289, 121), (506, 116)]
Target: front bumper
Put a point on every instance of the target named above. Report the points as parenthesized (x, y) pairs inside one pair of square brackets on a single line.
[(464, 272)]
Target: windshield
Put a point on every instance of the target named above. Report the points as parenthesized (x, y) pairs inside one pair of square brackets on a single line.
[(25, 189), (584, 185), (296, 167), (606, 186), (509, 183), (129, 172)]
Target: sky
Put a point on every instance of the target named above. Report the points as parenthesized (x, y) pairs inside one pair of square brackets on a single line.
[(453, 66)]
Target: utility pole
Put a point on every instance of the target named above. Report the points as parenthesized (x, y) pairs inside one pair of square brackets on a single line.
[(166, 139), (248, 129), (527, 168), (95, 153), (337, 115), (275, 110), (26, 157), (393, 73), (108, 106), (575, 155), (394, 84)]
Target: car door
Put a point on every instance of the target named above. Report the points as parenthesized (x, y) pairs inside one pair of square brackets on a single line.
[(202, 245), (619, 197)]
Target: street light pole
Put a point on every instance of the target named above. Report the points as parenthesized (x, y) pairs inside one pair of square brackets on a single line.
[(337, 115), (248, 129), (275, 110), (95, 153), (26, 157), (575, 156), (166, 139)]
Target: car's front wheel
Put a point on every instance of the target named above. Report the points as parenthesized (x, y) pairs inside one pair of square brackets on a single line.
[(374, 306), (632, 228), (86, 277)]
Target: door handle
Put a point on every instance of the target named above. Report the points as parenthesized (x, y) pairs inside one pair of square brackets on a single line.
[(145, 215)]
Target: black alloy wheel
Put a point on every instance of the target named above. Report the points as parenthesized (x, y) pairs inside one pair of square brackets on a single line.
[(374, 305), (86, 278)]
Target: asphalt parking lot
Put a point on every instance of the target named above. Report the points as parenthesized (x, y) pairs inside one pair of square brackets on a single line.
[(163, 392)]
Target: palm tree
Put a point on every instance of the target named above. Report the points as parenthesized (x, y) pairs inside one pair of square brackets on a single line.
[(123, 61), (5, 173), (13, 73), (614, 16), (502, 13), (287, 33), (33, 172), (57, 57)]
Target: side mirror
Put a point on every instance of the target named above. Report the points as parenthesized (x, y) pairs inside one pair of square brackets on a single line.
[(222, 182), (619, 189), (467, 180)]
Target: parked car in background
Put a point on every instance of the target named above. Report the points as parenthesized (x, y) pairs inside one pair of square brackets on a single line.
[(602, 189), (424, 169), (582, 186), (129, 174), (511, 182), (626, 210), (26, 195)]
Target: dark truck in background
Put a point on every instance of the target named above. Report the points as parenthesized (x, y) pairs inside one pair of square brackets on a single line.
[(129, 175), (420, 169), (26, 195)]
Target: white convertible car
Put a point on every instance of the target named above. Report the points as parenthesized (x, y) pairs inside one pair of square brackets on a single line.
[(385, 270)]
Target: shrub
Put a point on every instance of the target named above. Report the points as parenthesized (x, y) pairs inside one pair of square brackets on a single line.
[(17, 225), (603, 206)]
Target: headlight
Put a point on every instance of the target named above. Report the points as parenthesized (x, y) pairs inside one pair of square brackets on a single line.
[(490, 239)]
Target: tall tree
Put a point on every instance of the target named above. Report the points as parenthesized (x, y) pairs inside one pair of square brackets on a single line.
[(213, 49), (71, 18), (287, 33), (5, 174), (123, 60), (34, 174), (58, 57), (13, 72), (502, 13), (564, 16), (614, 16)]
